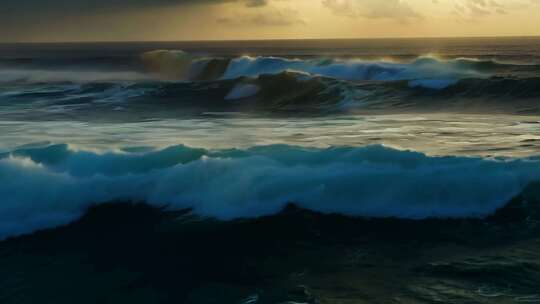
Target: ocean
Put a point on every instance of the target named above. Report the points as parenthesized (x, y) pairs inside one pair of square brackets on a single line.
[(294, 171)]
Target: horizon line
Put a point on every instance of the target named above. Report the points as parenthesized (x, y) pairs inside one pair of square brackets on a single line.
[(268, 39)]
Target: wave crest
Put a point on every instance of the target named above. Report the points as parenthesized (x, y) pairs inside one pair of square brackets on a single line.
[(422, 68), (180, 65), (276, 85)]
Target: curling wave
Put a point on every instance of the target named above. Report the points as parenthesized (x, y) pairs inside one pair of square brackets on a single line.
[(178, 80), (422, 68), (178, 64), (44, 187)]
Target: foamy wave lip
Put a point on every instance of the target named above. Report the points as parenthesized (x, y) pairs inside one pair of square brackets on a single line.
[(177, 65), (180, 65), (50, 186), (425, 68)]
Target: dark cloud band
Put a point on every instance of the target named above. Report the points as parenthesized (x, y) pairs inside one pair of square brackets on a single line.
[(35, 7)]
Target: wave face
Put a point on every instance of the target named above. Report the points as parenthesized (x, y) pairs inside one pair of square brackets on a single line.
[(424, 71), (44, 187)]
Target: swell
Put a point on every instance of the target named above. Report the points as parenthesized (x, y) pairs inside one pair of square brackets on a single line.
[(43, 187), (492, 95)]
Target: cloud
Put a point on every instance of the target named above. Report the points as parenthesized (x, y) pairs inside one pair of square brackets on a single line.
[(470, 10), (256, 3), (373, 9), (85, 7), (270, 17), (21, 20), (467, 9)]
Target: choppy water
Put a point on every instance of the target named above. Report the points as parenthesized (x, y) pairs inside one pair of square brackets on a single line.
[(107, 105), (420, 130)]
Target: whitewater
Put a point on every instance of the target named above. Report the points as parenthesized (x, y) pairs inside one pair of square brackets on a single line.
[(45, 187)]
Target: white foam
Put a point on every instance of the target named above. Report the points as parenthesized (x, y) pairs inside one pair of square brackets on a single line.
[(46, 187), (432, 73), (241, 91)]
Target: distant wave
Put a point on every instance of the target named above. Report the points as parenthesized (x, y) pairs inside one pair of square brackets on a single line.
[(47, 186), (422, 68), (180, 65), (282, 85)]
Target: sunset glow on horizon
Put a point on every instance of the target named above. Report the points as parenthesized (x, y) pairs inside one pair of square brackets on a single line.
[(144, 20)]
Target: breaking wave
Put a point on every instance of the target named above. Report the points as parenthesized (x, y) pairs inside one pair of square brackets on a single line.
[(421, 68), (273, 84), (180, 65), (43, 187)]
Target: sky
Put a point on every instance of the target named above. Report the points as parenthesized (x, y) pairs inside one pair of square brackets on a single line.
[(170, 20)]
